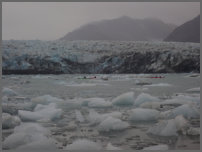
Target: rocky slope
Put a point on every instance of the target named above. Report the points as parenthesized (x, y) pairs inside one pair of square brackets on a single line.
[(122, 29), (57, 57), (187, 32)]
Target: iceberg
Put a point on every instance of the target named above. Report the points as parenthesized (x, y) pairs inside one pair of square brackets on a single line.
[(43, 113), (150, 105), (45, 99), (187, 110), (95, 118), (112, 124), (125, 99), (28, 135), (99, 103), (141, 114), (169, 127), (144, 97), (9, 121), (8, 92), (79, 116)]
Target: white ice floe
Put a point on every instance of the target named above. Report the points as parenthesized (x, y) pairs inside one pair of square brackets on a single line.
[(159, 85), (144, 97), (79, 116), (157, 147), (8, 92), (169, 127), (194, 90), (42, 113), (151, 105), (9, 121), (45, 99), (29, 136), (83, 144), (187, 110), (111, 147), (4, 99), (140, 114), (124, 99), (98, 103), (96, 118), (193, 131), (112, 124)]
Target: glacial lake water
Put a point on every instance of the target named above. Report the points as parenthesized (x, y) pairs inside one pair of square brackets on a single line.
[(73, 90)]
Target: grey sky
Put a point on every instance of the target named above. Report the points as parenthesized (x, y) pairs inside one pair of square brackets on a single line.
[(52, 20)]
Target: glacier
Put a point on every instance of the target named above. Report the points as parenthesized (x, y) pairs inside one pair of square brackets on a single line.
[(69, 57)]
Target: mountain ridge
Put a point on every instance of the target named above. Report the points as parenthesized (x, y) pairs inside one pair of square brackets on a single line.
[(122, 29)]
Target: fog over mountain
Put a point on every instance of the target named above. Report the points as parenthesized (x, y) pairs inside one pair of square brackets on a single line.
[(123, 28), (187, 32)]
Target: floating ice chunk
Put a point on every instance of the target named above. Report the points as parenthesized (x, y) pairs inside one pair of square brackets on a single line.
[(114, 114), (140, 89), (140, 114), (187, 110), (26, 135), (79, 116), (169, 127), (150, 105), (193, 131), (9, 92), (164, 128), (194, 89), (144, 97), (159, 85), (111, 147), (83, 144), (112, 124), (31, 128), (45, 144), (4, 99), (9, 121), (175, 101), (125, 99), (95, 118), (99, 103), (188, 98), (9, 108), (45, 113), (180, 122), (157, 147), (45, 99)]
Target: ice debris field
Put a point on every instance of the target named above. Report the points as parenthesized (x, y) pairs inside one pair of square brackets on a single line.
[(64, 112)]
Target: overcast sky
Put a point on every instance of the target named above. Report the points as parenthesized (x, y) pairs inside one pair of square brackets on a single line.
[(52, 20)]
